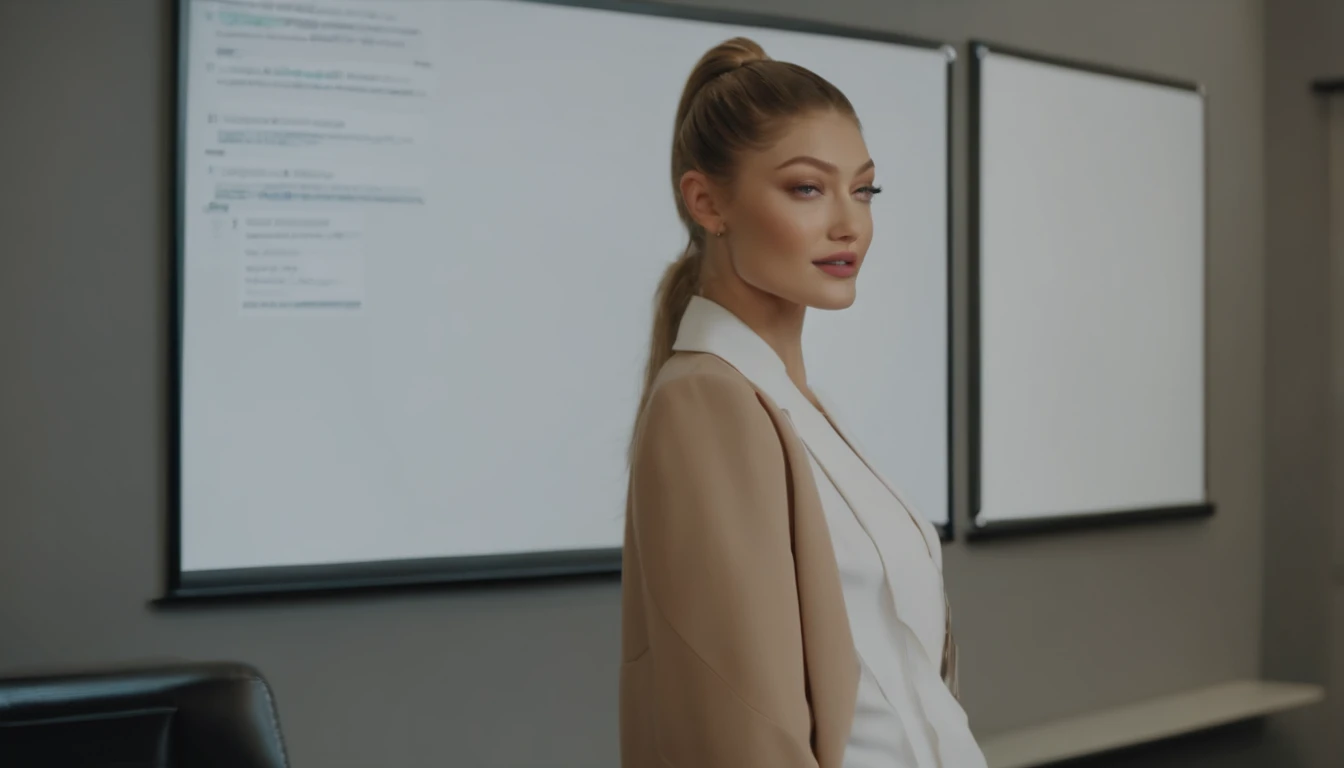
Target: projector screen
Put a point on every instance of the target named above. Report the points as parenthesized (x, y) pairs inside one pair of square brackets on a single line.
[(1088, 285), (419, 243)]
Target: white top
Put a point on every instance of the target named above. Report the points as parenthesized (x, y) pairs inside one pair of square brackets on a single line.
[(890, 562)]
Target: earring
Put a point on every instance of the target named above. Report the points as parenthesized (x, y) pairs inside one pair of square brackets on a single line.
[(722, 229)]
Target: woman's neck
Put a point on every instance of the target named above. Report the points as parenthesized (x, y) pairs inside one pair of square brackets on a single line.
[(778, 322)]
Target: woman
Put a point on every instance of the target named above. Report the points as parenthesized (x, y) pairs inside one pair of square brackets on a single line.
[(782, 607)]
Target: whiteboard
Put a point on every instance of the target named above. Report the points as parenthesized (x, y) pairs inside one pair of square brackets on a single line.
[(1089, 261), (419, 249)]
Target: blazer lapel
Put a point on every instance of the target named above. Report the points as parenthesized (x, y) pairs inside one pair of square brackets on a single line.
[(925, 527), (709, 327), (828, 644), (948, 666)]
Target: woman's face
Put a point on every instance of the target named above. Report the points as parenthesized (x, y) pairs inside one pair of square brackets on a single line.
[(798, 218)]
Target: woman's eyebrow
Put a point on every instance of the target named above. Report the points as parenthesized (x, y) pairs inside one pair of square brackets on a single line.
[(822, 164)]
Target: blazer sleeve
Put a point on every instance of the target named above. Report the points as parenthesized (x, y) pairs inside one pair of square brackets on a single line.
[(711, 521)]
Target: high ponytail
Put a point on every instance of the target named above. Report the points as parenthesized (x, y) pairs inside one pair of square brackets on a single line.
[(735, 98)]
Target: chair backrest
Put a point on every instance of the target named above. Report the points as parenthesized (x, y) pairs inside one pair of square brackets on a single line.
[(186, 715)]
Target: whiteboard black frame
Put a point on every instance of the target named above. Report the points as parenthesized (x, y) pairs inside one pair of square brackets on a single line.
[(344, 578), (1060, 523)]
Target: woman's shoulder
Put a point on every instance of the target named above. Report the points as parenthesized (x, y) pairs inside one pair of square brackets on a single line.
[(707, 374), (704, 389), (705, 423), (686, 364)]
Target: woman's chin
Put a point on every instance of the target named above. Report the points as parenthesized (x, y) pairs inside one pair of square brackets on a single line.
[(833, 297)]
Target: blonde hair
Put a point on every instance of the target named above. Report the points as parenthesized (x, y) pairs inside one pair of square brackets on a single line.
[(735, 98)]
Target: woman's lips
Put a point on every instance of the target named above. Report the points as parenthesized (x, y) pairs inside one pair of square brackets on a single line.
[(842, 264)]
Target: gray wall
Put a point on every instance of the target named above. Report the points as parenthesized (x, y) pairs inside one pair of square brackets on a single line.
[(525, 675), (1304, 607)]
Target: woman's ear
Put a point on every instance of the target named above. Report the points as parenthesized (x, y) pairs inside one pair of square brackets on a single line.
[(700, 195)]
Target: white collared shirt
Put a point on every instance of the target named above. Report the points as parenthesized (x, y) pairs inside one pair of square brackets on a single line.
[(890, 562)]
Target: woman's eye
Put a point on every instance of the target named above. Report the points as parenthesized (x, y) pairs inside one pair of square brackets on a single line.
[(866, 192), (807, 190)]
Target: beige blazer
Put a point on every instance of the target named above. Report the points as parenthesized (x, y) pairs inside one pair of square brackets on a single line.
[(736, 648)]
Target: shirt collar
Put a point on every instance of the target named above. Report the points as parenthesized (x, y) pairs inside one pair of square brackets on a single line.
[(709, 327)]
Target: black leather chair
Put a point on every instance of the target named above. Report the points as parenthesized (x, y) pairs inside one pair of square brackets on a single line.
[(187, 715)]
